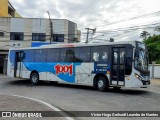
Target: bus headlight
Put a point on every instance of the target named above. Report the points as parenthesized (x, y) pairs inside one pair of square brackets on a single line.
[(137, 76)]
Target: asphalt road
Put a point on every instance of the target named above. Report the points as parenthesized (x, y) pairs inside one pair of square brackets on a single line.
[(80, 98)]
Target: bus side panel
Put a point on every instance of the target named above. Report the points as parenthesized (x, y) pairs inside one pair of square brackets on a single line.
[(63, 71), (28, 67), (100, 68), (25, 72), (43, 76), (84, 73), (53, 77), (11, 64), (132, 81), (81, 72)]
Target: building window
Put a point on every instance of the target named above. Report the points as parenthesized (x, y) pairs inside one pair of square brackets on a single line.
[(1, 34), (38, 36), (16, 36), (58, 37)]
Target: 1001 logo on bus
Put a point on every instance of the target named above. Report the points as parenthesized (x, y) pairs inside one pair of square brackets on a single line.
[(64, 69)]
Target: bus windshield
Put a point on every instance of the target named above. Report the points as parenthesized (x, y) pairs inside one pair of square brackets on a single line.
[(141, 59)]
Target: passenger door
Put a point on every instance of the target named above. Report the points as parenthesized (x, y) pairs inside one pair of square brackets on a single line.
[(118, 66), (18, 64)]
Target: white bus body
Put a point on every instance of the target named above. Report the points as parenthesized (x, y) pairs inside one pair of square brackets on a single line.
[(101, 65)]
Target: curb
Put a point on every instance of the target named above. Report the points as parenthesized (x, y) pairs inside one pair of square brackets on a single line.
[(42, 102)]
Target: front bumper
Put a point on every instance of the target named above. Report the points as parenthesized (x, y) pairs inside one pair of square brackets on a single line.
[(146, 82)]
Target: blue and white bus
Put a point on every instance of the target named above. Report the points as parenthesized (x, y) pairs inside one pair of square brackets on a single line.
[(101, 65)]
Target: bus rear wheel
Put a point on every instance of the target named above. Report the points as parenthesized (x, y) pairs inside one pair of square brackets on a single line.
[(34, 78), (102, 84)]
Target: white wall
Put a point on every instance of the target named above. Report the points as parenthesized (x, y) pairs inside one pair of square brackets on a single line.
[(5, 28), (58, 26), (154, 70), (29, 26), (39, 25), (17, 25)]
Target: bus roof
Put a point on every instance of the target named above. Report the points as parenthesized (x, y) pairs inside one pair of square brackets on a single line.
[(66, 45)]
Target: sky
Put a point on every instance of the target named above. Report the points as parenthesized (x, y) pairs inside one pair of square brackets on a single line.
[(118, 19)]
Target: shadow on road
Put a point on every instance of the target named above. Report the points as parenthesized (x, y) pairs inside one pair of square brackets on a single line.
[(20, 83), (129, 91), (27, 83)]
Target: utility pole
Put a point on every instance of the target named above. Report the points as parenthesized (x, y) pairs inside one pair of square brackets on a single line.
[(88, 29), (51, 28)]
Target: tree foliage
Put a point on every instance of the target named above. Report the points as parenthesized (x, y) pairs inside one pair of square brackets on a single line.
[(153, 45), (145, 35)]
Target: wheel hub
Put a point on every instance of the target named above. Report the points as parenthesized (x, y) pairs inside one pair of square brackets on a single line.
[(100, 83), (34, 78)]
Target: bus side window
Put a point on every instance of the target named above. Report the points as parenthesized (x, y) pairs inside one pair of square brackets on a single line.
[(99, 54), (29, 55), (62, 54), (40, 55), (82, 54), (66, 55), (69, 56), (52, 55), (105, 56), (95, 54), (115, 57), (96, 57), (122, 56)]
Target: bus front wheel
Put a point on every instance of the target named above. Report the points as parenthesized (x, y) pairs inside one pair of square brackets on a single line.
[(34, 78), (102, 84)]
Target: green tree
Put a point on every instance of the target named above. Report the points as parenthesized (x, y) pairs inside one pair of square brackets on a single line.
[(145, 35), (153, 45)]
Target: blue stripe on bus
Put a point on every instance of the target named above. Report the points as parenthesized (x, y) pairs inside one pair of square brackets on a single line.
[(50, 67)]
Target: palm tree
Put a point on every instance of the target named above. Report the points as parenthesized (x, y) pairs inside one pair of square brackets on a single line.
[(157, 29), (145, 35)]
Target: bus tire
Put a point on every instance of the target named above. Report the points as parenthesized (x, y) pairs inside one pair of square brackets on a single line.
[(34, 77), (102, 84)]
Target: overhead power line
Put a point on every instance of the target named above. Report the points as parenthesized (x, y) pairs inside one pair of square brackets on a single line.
[(129, 28), (139, 16)]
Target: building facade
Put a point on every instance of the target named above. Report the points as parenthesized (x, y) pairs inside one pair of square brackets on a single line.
[(32, 32), (7, 10)]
